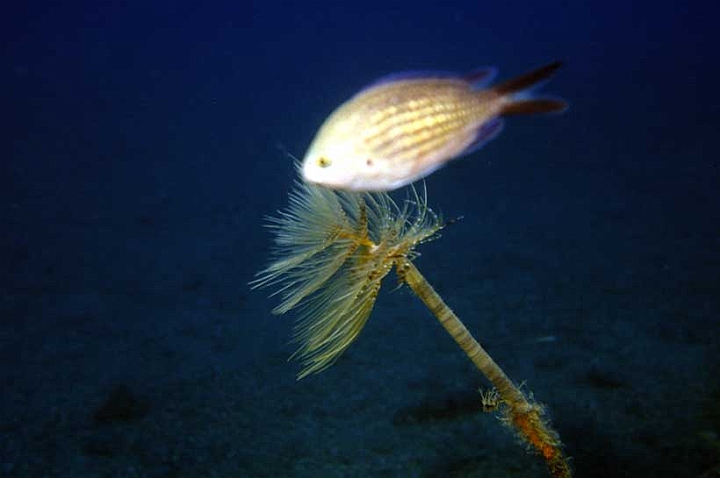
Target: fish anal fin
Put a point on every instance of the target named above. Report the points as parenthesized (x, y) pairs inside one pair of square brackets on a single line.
[(486, 133)]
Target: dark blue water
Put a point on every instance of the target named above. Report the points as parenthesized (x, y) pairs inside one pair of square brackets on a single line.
[(142, 143)]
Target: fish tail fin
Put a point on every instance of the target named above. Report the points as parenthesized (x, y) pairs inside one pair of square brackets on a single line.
[(523, 82), (520, 102), (534, 106)]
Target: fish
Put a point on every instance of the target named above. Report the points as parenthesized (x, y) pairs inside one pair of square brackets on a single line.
[(405, 126)]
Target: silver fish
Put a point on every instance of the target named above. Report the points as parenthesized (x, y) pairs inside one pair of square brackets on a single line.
[(405, 126)]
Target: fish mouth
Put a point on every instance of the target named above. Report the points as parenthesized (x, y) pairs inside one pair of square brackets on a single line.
[(337, 185), (335, 178), (312, 175), (308, 174), (326, 184)]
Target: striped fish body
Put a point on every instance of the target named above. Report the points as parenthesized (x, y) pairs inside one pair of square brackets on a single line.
[(405, 127)]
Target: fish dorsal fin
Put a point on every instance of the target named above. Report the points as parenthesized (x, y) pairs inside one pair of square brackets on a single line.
[(412, 75), (478, 78)]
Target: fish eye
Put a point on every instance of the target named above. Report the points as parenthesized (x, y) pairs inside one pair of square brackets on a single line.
[(323, 162)]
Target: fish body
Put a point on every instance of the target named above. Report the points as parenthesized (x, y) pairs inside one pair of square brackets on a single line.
[(406, 126)]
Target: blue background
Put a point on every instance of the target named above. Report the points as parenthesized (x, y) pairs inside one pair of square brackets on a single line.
[(143, 143)]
